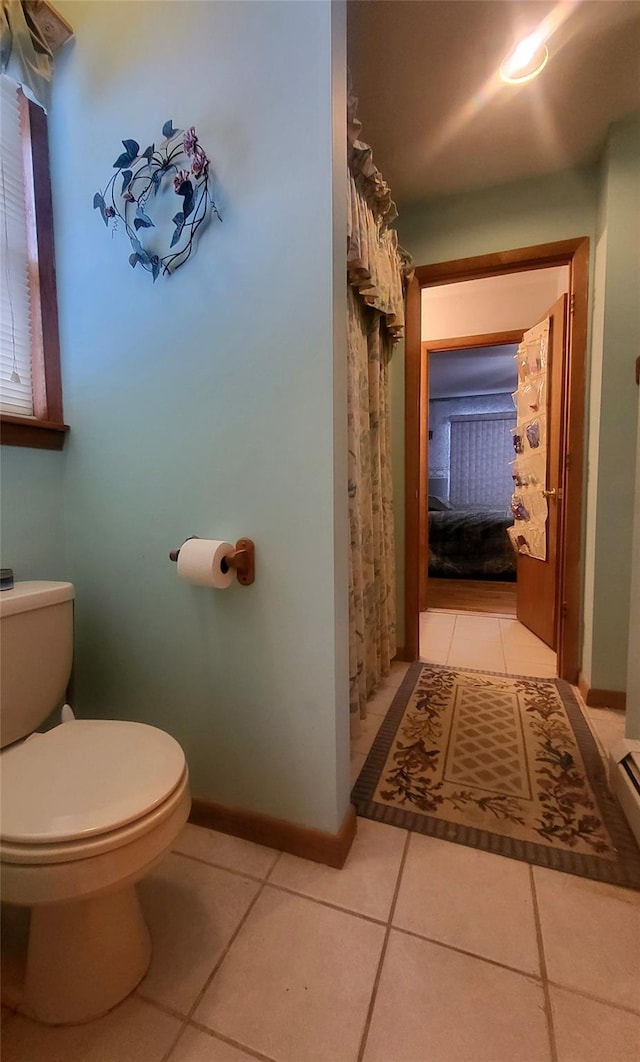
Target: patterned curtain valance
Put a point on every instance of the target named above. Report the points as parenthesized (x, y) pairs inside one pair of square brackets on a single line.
[(376, 265), (30, 32)]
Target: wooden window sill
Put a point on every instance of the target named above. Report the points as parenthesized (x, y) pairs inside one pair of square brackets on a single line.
[(25, 431)]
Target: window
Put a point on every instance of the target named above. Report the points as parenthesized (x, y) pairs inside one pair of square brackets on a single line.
[(481, 449), (30, 390)]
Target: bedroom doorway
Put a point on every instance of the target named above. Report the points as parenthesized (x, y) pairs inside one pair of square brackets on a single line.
[(468, 564), (566, 593)]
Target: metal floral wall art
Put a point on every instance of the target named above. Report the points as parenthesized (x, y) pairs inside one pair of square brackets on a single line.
[(178, 166)]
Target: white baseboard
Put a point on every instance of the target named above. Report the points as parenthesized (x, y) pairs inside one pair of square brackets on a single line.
[(624, 779)]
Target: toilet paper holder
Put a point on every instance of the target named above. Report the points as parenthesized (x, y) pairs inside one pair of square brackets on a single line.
[(242, 559)]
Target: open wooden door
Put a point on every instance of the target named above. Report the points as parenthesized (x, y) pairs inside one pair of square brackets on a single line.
[(538, 580)]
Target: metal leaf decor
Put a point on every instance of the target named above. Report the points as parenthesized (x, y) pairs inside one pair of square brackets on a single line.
[(178, 163)]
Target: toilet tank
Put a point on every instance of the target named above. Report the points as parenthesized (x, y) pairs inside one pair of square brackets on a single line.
[(36, 651)]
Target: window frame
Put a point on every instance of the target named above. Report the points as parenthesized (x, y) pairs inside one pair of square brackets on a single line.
[(46, 430)]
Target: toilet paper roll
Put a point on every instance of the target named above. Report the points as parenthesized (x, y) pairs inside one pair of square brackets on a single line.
[(201, 561)]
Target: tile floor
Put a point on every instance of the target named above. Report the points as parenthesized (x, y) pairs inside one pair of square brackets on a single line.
[(483, 642), (466, 640), (417, 951), (504, 645)]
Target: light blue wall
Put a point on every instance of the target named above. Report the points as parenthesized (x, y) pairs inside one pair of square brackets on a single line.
[(208, 403), (539, 210), (616, 344), (32, 527)]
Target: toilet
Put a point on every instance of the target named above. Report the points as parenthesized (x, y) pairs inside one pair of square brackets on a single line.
[(88, 807)]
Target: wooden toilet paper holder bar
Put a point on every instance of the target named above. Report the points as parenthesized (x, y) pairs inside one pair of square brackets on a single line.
[(242, 559)]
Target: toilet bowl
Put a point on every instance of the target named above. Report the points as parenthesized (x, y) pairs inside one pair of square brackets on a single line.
[(88, 808)]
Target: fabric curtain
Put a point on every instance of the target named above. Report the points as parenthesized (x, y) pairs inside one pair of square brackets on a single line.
[(24, 53), (372, 619), (376, 268)]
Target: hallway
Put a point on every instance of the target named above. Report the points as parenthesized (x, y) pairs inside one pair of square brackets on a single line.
[(489, 642)]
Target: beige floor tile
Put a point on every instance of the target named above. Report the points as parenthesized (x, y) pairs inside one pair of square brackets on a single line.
[(608, 725), (436, 641), (541, 654), (477, 628), (467, 635), (440, 632), (357, 761), (432, 656), (366, 882), (587, 1031), (435, 1005), (135, 1031), (591, 935), (379, 703), (432, 653), (192, 910), (438, 623), (226, 851), (512, 625), (197, 1046), (473, 900), (513, 631), (368, 729), (537, 652), (523, 665), (472, 655), (296, 983), (399, 669)]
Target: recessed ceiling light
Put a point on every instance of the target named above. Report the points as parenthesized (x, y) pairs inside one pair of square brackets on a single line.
[(526, 61)]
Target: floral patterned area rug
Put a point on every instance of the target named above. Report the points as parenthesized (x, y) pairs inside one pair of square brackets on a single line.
[(503, 763)]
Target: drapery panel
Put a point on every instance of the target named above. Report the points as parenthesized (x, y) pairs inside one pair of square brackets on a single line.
[(25, 54), (31, 31), (376, 268), (372, 616)]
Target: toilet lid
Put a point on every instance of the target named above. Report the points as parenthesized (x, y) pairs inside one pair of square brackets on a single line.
[(84, 778)]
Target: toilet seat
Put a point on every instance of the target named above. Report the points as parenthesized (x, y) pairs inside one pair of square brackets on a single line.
[(70, 851), (105, 781)]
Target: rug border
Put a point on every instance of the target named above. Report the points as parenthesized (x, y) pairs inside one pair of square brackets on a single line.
[(624, 871)]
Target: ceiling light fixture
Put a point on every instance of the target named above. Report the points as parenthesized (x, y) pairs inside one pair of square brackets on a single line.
[(526, 61)]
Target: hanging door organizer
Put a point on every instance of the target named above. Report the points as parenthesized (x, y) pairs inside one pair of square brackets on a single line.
[(529, 469)]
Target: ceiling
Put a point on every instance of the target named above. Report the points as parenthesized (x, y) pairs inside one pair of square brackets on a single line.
[(472, 371), (439, 119)]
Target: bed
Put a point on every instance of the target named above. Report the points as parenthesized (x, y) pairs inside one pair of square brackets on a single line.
[(466, 544)]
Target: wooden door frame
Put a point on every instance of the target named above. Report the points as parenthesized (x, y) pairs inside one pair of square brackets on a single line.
[(429, 347), (575, 254)]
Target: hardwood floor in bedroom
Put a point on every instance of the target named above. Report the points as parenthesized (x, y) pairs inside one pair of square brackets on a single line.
[(472, 595)]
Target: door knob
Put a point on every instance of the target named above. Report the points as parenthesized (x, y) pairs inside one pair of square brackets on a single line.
[(549, 493)]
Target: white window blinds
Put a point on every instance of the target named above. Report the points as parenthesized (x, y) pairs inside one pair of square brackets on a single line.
[(15, 326), (481, 449)]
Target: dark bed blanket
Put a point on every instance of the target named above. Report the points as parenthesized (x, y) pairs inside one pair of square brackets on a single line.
[(471, 545)]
